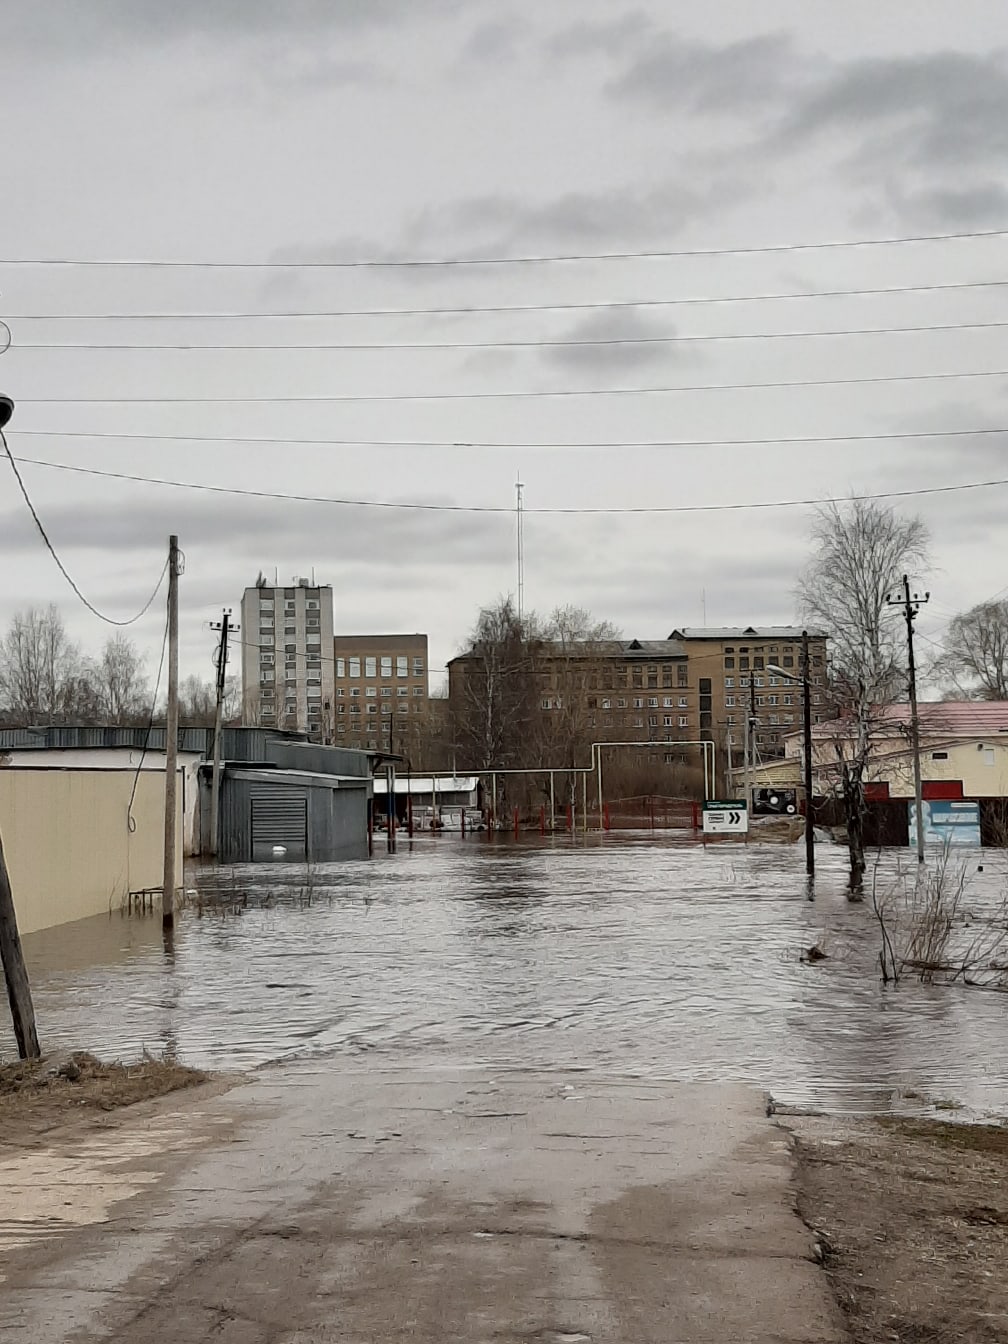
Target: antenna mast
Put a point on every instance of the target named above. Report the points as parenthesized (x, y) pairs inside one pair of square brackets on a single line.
[(520, 520)]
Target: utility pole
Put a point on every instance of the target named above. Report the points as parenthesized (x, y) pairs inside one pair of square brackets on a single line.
[(520, 521), (807, 725), (171, 741), (225, 627), (911, 605), (11, 956)]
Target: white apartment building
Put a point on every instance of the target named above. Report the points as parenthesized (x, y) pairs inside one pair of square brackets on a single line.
[(287, 657)]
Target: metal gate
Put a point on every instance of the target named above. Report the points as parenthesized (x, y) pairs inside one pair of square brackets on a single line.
[(280, 821)]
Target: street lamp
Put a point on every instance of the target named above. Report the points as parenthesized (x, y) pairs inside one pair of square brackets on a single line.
[(6, 411), (804, 679)]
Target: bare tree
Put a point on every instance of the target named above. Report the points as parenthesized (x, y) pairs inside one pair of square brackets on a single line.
[(119, 681), (494, 685), (197, 702), (859, 552), (41, 674), (570, 664), (974, 658)]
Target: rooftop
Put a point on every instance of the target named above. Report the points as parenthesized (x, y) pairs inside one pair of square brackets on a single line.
[(955, 718), (784, 632)]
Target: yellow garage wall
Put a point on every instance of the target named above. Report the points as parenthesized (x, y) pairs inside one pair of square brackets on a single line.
[(69, 850)]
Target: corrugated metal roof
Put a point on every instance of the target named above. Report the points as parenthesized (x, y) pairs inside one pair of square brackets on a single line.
[(421, 784), (958, 718)]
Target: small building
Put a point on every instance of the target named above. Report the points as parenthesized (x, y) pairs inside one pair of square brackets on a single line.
[(437, 802), (78, 840), (299, 803)]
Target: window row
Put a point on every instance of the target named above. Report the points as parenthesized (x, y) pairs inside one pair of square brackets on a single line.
[(351, 667)]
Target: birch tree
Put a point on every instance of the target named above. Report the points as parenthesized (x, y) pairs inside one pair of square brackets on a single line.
[(974, 657)]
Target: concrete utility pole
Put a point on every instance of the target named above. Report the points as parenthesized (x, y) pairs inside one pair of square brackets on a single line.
[(911, 606), (225, 627), (171, 741)]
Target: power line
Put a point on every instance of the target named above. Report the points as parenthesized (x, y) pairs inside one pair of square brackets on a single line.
[(109, 620), (509, 395), (510, 344), (502, 509), (481, 443), (527, 260), (507, 307)]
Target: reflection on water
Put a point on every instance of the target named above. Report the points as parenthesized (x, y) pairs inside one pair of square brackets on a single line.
[(624, 954)]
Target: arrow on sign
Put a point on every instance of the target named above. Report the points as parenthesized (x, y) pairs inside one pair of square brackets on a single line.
[(734, 818)]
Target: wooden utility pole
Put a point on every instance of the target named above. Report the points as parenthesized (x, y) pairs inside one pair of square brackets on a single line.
[(911, 606), (222, 655), (18, 987), (171, 741)]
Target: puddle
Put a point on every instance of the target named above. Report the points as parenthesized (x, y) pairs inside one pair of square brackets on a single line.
[(630, 956)]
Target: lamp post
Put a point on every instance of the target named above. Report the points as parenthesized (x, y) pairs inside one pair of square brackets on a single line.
[(805, 681)]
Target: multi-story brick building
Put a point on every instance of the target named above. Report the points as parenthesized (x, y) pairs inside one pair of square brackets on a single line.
[(287, 657), (380, 691), (728, 668), (696, 685)]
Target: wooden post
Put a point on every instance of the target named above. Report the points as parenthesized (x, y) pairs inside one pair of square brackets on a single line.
[(542, 819), (516, 823), (171, 741), (18, 986)]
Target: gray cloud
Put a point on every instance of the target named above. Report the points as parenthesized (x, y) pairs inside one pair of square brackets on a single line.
[(942, 107), (621, 325), (710, 80), (609, 39), (497, 42), (67, 25)]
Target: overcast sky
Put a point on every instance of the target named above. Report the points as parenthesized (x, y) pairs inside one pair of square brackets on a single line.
[(346, 130)]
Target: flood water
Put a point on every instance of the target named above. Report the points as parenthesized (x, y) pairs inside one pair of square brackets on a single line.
[(617, 954)]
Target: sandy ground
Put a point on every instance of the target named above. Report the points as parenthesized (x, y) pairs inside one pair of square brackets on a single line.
[(912, 1217), (333, 1201)]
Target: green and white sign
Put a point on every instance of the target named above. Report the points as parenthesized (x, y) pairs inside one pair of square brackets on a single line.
[(725, 817)]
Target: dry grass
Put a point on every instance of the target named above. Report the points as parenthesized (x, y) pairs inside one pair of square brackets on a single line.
[(50, 1089), (912, 1220)]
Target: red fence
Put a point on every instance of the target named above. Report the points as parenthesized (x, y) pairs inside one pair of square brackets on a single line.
[(651, 811)]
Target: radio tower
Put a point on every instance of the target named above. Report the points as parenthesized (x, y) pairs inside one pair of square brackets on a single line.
[(521, 548)]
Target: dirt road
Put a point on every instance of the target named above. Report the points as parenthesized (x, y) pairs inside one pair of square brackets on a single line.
[(335, 1202)]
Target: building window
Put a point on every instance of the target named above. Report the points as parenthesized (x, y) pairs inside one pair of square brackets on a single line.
[(266, 659), (667, 720), (418, 667), (386, 691), (652, 720), (401, 665), (705, 685), (638, 723), (621, 702), (547, 703), (355, 691), (743, 664), (402, 690), (372, 709), (939, 755), (729, 702), (314, 692), (683, 702), (386, 665), (683, 721), (341, 667), (988, 755), (370, 667), (607, 703), (666, 702), (403, 709), (418, 690), (757, 662), (757, 681), (371, 692), (652, 702), (729, 682), (386, 709), (729, 664), (341, 709), (638, 702), (355, 709), (771, 699)]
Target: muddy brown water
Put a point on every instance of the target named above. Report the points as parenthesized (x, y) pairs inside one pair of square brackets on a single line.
[(630, 955)]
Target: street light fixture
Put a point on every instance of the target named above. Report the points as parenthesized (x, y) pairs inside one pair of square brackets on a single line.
[(6, 410), (805, 682)]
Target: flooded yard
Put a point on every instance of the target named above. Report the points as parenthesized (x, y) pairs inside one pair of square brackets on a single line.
[(629, 955)]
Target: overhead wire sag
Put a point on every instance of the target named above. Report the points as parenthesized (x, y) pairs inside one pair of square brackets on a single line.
[(109, 620)]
